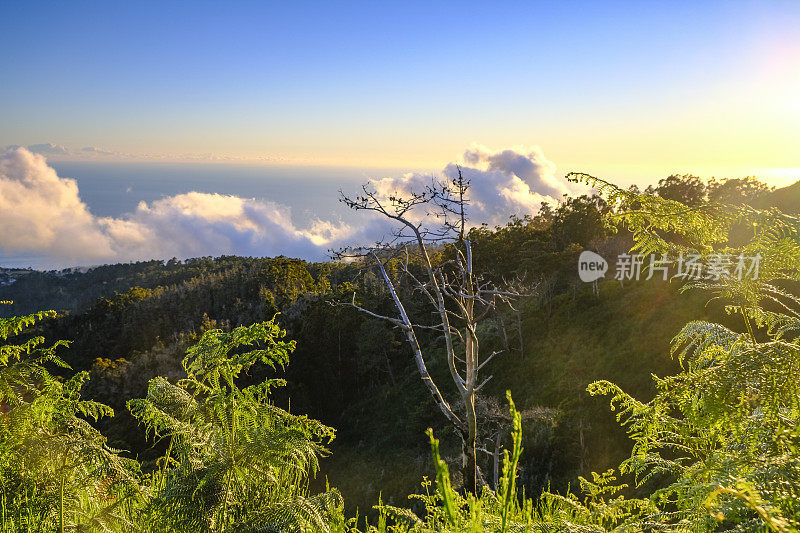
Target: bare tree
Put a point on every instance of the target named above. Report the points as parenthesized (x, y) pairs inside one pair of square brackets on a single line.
[(460, 298)]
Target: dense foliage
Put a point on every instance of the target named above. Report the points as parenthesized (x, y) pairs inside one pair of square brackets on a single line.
[(56, 470), (719, 441), (235, 462)]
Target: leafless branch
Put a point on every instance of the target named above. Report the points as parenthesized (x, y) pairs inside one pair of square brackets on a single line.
[(485, 361)]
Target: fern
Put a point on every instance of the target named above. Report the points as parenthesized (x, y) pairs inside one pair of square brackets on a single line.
[(720, 438), (57, 472), (237, 462)]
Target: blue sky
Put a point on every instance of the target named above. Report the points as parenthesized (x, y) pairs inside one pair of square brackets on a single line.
[(630, 87), (299, 99)]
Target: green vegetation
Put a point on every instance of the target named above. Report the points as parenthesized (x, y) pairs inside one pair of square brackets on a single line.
[(235, 462), (166, 409), (55, 468)]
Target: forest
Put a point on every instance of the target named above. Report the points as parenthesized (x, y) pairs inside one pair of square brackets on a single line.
[(457, 378)]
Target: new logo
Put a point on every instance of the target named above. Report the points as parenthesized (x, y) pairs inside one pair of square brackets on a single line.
[(591, 266)]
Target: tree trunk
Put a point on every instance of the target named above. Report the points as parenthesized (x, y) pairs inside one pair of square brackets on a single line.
[(496, 459), (470, 458)]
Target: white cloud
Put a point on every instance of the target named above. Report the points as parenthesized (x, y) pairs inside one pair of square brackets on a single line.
[(49, 149), (58, 151), (40, 212), (96, 150), (526, 165), (195, 224), (502, 182), (42, 215), (95, 153)]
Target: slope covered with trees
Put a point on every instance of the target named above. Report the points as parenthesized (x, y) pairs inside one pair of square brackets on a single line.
[(354, 372)]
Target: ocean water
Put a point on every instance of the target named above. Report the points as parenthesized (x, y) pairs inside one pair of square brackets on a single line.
[(113, 189)]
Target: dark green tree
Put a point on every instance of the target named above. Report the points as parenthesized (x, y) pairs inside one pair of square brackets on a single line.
[(684, 188)]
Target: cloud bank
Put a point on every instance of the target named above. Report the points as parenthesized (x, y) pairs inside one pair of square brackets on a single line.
[(502, 182), (94, 153), (42, 215)]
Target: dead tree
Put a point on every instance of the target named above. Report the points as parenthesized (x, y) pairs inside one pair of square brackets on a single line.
[(460, 298)]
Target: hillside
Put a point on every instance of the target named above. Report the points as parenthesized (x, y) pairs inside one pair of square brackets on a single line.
[(787, 199), (369, 390), (623, 335), (131, 322)]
